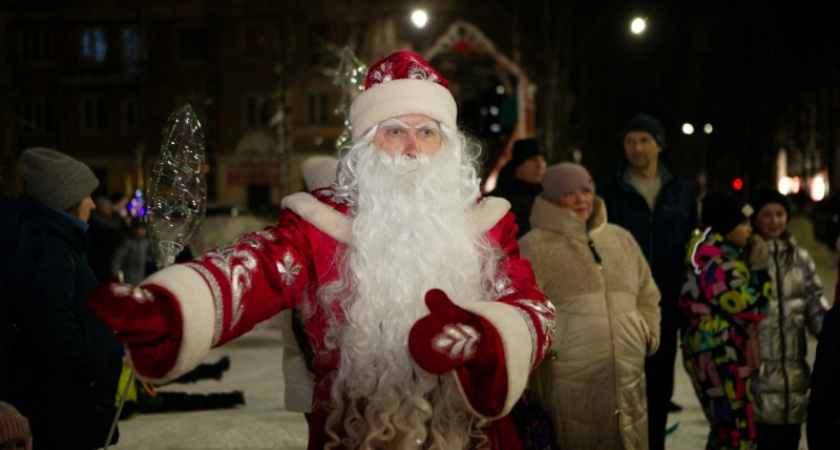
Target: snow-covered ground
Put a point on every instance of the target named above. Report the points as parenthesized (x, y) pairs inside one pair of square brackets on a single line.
[(263, 423)]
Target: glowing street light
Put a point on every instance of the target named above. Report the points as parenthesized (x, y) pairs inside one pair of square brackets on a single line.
[(419, 18), (687, 129), (638, 25)]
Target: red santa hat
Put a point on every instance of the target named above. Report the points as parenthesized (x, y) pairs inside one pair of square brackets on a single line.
[(399, 84)]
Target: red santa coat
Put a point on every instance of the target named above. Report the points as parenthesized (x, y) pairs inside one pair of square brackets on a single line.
[(226, 292)]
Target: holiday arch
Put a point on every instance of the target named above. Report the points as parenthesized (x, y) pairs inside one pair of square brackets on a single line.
[(463, 39)]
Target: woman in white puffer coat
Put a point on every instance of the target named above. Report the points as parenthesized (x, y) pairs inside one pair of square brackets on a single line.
[(781, 387), (607, 316)]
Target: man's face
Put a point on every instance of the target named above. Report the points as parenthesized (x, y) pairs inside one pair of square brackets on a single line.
[(83, 209), (531, 170), (642, 149), (409, 135)]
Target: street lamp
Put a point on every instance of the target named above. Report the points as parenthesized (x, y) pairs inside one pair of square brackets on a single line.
[(419, 18), (687, 129), (638, 25)]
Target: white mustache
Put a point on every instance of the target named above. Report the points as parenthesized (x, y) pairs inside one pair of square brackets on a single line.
[(399, 163)]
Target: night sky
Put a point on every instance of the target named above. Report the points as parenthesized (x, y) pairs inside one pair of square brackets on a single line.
[(764, 76)]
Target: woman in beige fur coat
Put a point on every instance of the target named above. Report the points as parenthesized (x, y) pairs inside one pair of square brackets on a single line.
[(592, 382)]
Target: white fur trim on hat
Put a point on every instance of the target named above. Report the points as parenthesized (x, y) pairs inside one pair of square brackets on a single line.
[(401, 97)]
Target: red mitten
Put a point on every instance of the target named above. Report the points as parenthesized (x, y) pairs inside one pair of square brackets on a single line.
[(446, 338), (146, 319)]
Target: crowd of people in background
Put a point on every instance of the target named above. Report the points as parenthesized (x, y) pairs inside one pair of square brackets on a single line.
[(634, 267)]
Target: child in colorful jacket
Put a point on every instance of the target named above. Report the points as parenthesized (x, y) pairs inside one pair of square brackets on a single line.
[(725, 298)]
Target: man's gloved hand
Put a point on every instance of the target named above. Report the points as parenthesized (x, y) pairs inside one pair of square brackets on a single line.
[(448, 337), (145, 318), (759, 255)]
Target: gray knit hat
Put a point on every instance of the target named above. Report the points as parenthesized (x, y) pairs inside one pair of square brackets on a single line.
[(55, 179), (564, 177)]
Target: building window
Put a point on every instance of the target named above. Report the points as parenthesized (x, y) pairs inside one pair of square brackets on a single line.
[(93, 116), (316, 46), (191, 44), (34, 46), (133, 50), (256, 110), (131, 115), (94, 45), (36, 116), (256, 42), (316, 107)]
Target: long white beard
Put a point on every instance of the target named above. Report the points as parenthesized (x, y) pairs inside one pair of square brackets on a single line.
[(412, 232)]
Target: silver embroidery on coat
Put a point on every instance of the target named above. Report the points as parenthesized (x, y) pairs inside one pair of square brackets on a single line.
[(288, 269), (217, 299), (544, 310), (237, 264)]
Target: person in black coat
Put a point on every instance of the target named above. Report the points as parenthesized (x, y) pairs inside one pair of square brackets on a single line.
[(67, 369), (823, 414), (661, 212), (519, 180)]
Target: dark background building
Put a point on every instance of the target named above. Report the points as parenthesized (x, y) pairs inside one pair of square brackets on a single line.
[(97, 79)]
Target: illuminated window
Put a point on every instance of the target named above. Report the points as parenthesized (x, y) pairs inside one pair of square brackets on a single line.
[(133, 49), (94, 45)]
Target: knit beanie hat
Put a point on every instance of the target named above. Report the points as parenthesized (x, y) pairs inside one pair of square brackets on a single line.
[(399, 84), (645, 122), (319, 171), (523, 150), (56, 179), (723, 212), (764, 194), (14, 426), (562, 178)]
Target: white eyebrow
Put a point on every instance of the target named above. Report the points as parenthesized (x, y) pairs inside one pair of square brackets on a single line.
[(392, 122), (427, 125)]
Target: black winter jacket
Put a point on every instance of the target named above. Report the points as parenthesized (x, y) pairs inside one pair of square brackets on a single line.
[(70, 363), (662, 233)]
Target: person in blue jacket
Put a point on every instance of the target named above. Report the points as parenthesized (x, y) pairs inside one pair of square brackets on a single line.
[(66, 370), (660, 210)]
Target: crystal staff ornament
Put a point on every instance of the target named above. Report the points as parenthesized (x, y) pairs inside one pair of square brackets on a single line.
[(350, 76), (177, 199), (178, 189)]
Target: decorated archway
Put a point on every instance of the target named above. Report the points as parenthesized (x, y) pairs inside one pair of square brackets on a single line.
[(495, 97)]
